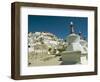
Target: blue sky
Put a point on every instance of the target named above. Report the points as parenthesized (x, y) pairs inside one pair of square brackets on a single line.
[(58, 25)]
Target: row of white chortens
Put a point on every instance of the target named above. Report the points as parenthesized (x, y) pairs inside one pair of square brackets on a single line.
[(46, 46)]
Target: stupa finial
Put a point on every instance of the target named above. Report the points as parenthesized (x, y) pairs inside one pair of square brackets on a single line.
[(72, 27), (80, 34)]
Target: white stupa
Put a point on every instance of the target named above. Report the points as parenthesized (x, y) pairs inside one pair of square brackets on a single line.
[(76, 51)]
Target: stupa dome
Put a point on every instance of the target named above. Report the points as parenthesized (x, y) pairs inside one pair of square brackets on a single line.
[(73, 38), (83, 43)]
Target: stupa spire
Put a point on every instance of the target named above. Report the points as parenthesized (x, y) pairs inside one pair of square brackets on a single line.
[(80, 34), (72, 30)]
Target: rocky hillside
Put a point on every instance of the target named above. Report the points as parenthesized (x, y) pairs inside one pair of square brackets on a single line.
[(48, 39), (44, 49)]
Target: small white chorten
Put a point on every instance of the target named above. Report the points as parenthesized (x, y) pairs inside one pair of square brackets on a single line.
[(77, 48)]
